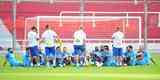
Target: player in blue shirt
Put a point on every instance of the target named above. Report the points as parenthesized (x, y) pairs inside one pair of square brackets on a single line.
[(98, 56), (129, 56), (26, 58), (143, 57), (107, 56), (10, 58), (67, 56), (94, 55), (59, 57)]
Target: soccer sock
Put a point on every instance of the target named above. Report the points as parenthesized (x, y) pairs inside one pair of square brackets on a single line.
[(54, 62), (81, 60), (34, 62), (77, 61), (47, 63)]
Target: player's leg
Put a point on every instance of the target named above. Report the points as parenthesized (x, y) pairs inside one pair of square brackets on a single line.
[(93, 58), (99, 60), (37, 59), (76, 52), (26, 61), (105, 60), (33, 56), (73, 59), (82, 54), (47, 56), (141, 62), (57, 61), (120, 58), (132, 62), (17, 64), (65, 61), (69, 60), (115, 55), (110, 61), (87, 60), (77, 60), (53, 55), (40, 59), (61, 63)]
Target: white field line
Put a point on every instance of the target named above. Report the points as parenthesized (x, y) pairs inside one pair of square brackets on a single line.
[(143, 76)]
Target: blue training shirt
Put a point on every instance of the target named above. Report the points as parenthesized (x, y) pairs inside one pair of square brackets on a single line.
[(26, 60), (11, 58)]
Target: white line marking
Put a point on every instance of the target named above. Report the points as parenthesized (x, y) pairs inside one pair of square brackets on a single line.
[(143, 76)]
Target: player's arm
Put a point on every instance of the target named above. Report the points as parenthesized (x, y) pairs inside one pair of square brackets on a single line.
[(74, 35), (55, 35), (123, 35), (43, 37), (59, 41), (37, 37), (56, 38), (42, 40), (113, 36), (28, 37), (84, 40)]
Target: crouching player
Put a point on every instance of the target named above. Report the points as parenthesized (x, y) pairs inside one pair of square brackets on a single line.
[(97, 56), (26, 58), (143, 57), (67, 56), (107, 57), (93, 55), (59, 57), (129, 56), (42, 57), (11, 59)]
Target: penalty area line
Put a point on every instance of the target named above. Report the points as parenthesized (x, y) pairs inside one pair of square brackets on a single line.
[(129, 75)]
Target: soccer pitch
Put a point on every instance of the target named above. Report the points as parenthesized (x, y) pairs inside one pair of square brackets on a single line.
[(145, 72)]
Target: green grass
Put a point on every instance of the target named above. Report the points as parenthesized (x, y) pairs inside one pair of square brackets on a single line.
[(145, 72)]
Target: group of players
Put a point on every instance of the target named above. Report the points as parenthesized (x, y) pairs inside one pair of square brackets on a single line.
[(44, 51)]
